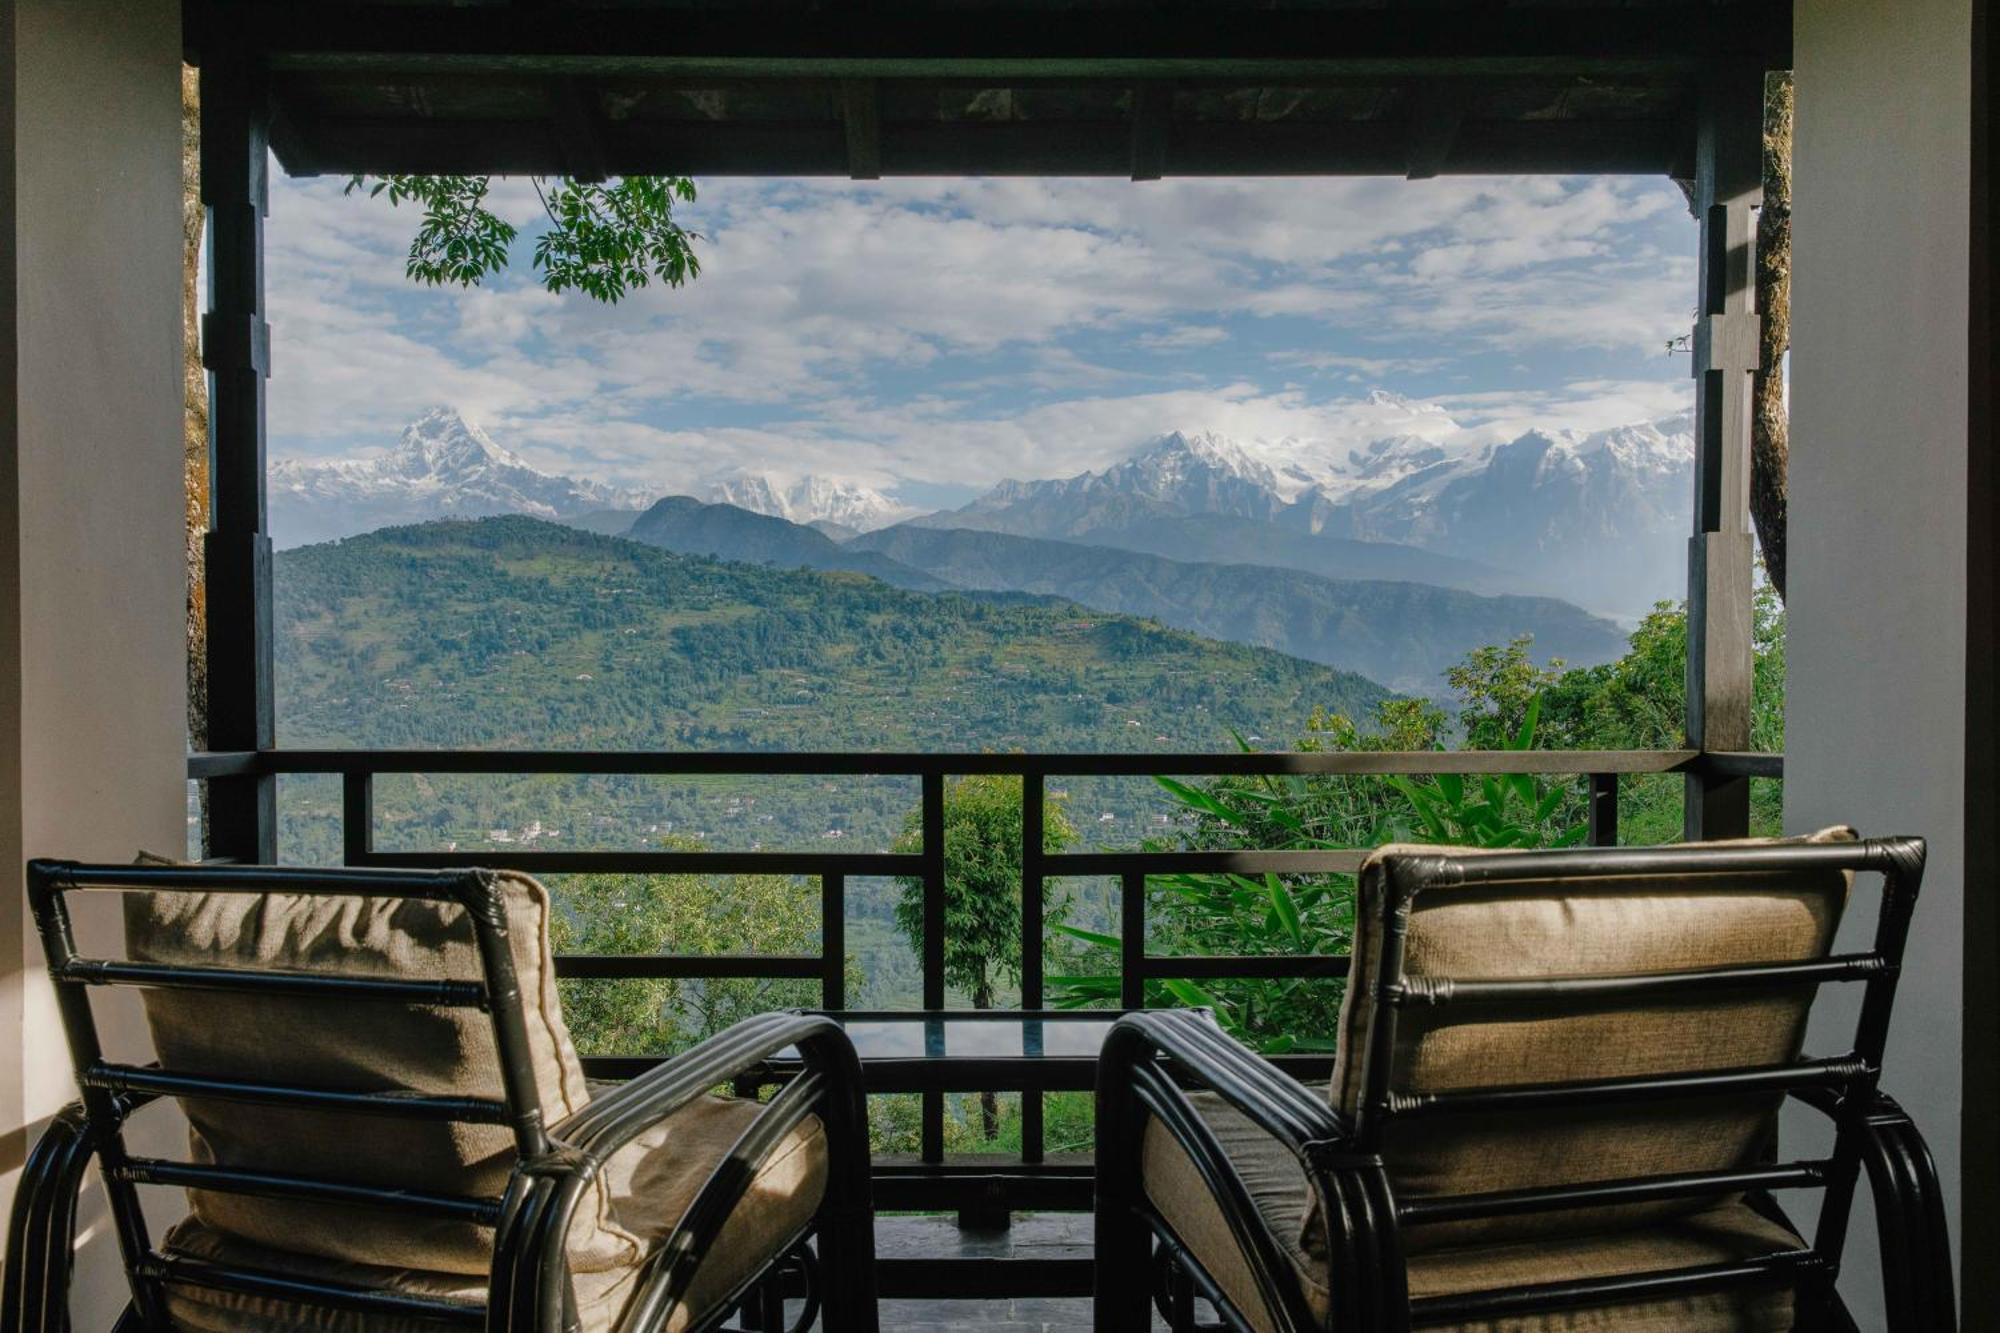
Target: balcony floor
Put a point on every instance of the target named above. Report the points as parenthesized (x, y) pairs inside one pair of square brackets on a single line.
[(1032, 1235)]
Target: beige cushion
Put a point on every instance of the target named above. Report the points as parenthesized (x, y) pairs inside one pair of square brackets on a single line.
[(651, 1184), (1730, 1231), (359, 1045), (1639, 924)]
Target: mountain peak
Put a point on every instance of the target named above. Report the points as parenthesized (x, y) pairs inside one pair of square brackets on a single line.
[(810, 499), (1175, 459), (442, 442), (441, 466)]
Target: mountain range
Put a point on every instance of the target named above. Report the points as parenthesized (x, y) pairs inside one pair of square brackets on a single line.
[(443, 466), (838, 508), (1401, 633), (1601, 518), (1397, 492)]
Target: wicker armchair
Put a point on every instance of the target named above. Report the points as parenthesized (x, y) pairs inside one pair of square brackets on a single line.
[(391, 1132), (1554, 1107)]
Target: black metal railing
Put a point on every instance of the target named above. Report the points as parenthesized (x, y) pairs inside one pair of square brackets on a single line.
[(1599, 771)]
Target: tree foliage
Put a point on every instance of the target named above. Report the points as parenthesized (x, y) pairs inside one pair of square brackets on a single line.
[(678, 914), (982, 881), (604, 238), (982, 890), (1502, 700)]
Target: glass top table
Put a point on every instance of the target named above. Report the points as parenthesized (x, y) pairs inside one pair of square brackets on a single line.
[(941, 1052), (970, 1050)]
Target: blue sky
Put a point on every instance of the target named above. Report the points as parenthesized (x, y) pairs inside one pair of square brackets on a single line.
[(932, 337)]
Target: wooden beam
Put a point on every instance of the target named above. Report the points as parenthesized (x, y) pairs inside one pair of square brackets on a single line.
[(1152, 127), (1029, 43), (1728, 187), (832, 763), (1436, 112), (573, 102), (1358, 148), (861, 114), (290, 146), (1979, 1168), (235, 111)]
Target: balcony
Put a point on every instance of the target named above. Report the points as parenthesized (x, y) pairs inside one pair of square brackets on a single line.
[(1891, 707), (1028, 1048)]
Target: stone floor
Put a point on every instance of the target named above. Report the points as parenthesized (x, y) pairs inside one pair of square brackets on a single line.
[(1058, 1234)]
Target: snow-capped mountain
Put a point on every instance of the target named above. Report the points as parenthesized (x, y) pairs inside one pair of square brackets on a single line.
[(1199, 473), (1600, 519), (808, 500), (441, 467)]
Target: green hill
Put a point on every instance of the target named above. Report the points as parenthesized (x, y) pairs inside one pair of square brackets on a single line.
[(684, 524), (511, 632), (1405, 634), (515, 632)]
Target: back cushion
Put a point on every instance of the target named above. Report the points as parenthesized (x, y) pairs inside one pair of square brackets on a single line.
[(1602, 927), (358, 1045)]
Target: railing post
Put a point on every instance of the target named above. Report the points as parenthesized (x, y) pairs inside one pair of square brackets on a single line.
[(1033, 831), (1603, 809), (933, 961), (357, 817), (833, 941), (1728, 188), (235, 115), (1132, 937)]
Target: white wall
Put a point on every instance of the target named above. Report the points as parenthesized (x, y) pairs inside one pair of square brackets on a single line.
[(92, 729), (1875, 712)]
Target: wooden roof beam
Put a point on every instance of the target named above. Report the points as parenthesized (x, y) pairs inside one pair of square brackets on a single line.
[(861, 113), (1152, 126), (1364, 148), (1271, 44), (1436, 112), (574, 104)]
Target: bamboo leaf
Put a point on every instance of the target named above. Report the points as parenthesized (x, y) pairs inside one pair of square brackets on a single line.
[(1090, 936), (1285, 910)]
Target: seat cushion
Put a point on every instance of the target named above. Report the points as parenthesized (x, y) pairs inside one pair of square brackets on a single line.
[(1277, 1184), (361, 1046), (651, 1183), (1575, 926)]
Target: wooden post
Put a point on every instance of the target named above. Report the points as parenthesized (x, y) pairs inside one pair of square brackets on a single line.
[(1603, 798), (236, 352), (1728, 186), (932, 1130), (1034, 829)]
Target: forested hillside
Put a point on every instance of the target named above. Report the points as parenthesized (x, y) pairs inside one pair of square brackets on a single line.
[(1401, 633), (515, 632)]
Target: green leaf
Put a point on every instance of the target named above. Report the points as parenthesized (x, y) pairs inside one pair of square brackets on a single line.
[(1089, 936), (1190, 994), (1286, 911), (1198, 799), (1524, 739)]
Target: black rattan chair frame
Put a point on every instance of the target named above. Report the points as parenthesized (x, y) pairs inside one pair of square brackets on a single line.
[(1149, 1058), (529, 1291)]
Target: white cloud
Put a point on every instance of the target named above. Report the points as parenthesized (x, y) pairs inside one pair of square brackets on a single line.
[(955, 331), (1182, 337)]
